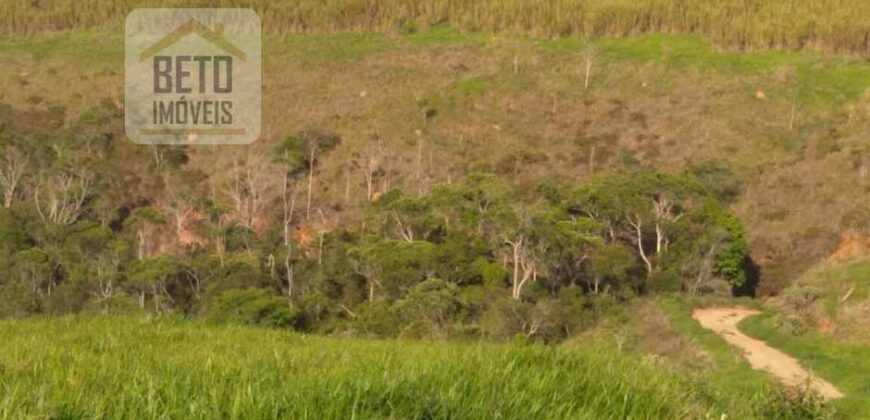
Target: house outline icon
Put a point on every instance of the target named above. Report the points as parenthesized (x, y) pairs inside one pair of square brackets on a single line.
[(193, 26)]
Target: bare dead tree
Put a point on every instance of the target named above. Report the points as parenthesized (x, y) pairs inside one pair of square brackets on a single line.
[(311, 155), (288, 199), (705, 269), (406, 232), (637, 223), (589, 56), (180, 204), (220, 220), (12, 167), (663, 211), (159, 154), (524, 266), (419, 167), (247, 189), (60, 199), (197, 280), (107, 268), (371, 168)]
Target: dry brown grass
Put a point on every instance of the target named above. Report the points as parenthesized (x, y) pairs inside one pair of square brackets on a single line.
[(651, 333), (839, 25)]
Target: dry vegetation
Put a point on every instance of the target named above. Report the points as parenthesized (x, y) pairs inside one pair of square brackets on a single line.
[(779, 135), (833, 299), (834, 26)]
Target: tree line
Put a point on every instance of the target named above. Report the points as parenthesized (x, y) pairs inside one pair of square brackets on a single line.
[(92, 223)]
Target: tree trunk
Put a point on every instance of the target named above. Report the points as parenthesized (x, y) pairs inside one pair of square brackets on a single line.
[(310, 183), (637, 227)]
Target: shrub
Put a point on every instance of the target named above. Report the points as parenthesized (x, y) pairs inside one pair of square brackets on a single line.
[(429, 309), (796, 403), (798, 308), (253, 307), (504, 318)]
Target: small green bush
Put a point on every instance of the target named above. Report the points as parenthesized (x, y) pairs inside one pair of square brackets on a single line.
[(252, 307)]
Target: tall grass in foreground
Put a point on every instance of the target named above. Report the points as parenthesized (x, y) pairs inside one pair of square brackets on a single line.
[(835, 25), (136, 368)]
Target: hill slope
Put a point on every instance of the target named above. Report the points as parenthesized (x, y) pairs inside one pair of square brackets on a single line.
[(778, 135)]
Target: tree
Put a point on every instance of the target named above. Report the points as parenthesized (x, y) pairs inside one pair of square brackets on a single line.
[(34, 268), (256, 307), (406, 218), (152, 277), (92, 256), (394, 266), (429, 308), (60, 197), (183, 188), (611, 265), (723, 244), (217, 226), (306, 146), (565, 244), (145, 221), (632, 206), (13, 164), (247, 186)]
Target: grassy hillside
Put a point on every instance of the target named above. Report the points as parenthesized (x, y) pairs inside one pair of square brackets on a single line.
[(778, 135), (835, 26), (844, 364), (132, 367), (823, 319), (831, 300)]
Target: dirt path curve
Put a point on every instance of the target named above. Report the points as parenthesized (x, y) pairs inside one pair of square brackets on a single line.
[(723, 321)]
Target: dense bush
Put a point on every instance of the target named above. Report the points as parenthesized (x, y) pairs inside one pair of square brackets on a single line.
[(799, 308), (252, 307)]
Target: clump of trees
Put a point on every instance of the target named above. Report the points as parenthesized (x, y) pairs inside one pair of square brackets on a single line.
[(93, 223)]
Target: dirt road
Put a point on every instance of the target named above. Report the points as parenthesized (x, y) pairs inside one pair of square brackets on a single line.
[(724, 321)]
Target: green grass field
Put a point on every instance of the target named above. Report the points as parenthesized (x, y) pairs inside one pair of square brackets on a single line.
[(170, 368), (844, 365)]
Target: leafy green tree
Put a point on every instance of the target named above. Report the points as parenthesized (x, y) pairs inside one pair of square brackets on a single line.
[(92, 257), (405, 218), (394, 266), (480, 203), (429, 308), (721, 251), (565, 245), (154, 277), (612, 266), (240, 270), (652, 213), (254, 307)]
